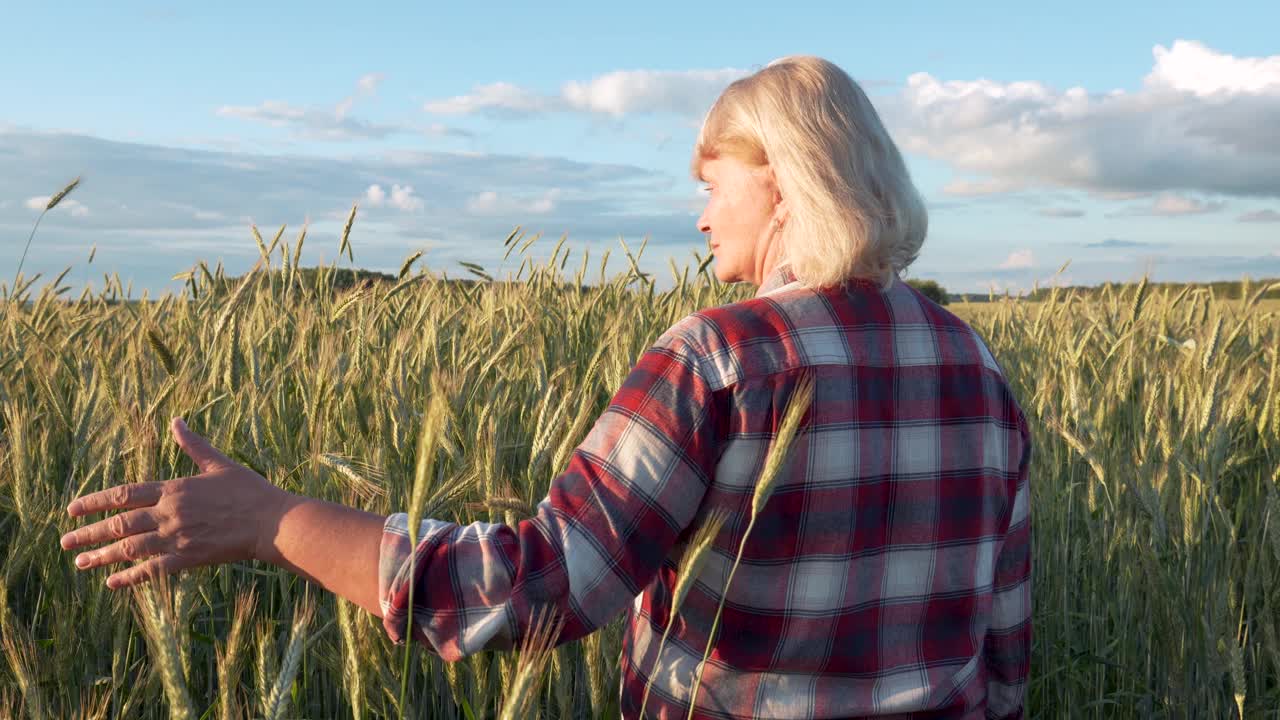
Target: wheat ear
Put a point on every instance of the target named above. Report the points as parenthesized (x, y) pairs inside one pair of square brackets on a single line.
[(535, 653), (796, 409), (698, 548)]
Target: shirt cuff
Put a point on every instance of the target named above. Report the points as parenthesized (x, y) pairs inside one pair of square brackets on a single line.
[(394, 578)]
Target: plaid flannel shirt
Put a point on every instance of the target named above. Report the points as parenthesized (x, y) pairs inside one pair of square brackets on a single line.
[(889, 573)]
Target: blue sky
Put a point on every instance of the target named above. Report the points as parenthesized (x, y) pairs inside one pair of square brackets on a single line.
[(1123, 137)]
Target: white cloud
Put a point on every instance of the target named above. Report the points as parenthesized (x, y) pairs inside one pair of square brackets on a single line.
[(1201, 121), (499, 97), (40, 202), (336, 123), (1017, 259), (546, 203), (976, 188), (1120, 194), (271, 112), (1115, 243), (1173, 205), (1260, 216), (401, 198), (1182, 205), (1061, 212), (482, 203), (688, 93), (315, 123), (368, 84), (187, 210), (492, 203), (1191, 67), (442, 130)]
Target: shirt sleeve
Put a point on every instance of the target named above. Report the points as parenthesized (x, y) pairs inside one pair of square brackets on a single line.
[(1008, 643), (596, 540)]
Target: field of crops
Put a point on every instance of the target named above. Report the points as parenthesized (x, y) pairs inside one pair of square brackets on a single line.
[(1155, 499)]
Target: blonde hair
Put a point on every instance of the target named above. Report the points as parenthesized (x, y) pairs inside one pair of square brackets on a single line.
[(853, 210)]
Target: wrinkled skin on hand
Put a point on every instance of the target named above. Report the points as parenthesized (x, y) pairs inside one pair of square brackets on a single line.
[(225, 513)]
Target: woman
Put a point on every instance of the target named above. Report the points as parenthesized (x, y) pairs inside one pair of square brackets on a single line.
[(889, 571)]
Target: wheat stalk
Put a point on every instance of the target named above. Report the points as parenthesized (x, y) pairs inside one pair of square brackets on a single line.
[(231, 655), (21, 654), (235, 299), (345, 242), (351, 674), (535, 653), (797, 406), (278, 698), (408, 262), (154, 607), (53, 202), (503, 504), (691, 563), (265, 663), (262, 247), (291, 268), (366, 489), (162, 351), (432, 429)]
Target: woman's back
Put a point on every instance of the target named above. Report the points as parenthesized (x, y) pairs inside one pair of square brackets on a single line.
[(882, 575)]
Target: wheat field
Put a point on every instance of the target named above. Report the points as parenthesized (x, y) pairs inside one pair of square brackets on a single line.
[(1155, 502)]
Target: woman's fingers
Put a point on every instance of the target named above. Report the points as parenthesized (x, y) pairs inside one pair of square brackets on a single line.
[(134, 547), (120, 497), (115, 527), (146, 571), (205, 456)]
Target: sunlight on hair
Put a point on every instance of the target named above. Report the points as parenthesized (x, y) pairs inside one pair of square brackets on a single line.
[(854, 209)]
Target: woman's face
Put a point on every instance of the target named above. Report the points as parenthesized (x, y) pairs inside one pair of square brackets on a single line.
[(742, 200)]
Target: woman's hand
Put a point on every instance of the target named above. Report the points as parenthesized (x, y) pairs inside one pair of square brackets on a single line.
[(226, 513)]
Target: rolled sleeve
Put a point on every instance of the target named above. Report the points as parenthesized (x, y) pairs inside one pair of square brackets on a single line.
[(597, 538)]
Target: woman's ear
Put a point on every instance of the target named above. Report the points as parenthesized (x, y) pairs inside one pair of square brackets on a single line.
[(780, 209)]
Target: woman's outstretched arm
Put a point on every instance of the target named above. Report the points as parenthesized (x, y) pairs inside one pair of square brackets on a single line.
[(227, 513), (330, 544)]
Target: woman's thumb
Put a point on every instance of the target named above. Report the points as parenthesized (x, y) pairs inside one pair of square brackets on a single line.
[(195, 446)]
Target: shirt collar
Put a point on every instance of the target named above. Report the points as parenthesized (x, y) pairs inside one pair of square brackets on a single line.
[(779, 276)]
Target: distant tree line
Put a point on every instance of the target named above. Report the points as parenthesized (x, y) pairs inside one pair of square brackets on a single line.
[(1222, 289), (345, 278), (930, 289)]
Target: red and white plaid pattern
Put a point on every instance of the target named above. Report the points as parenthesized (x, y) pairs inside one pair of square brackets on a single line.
[(888, 574)]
